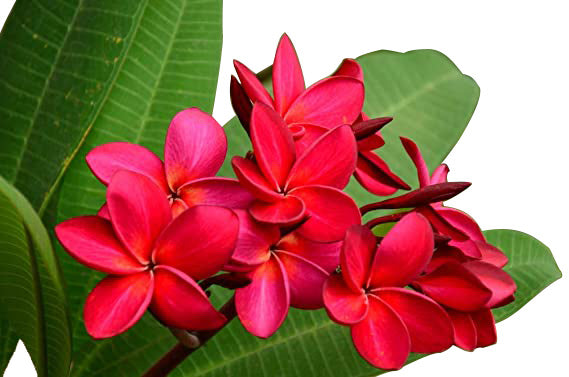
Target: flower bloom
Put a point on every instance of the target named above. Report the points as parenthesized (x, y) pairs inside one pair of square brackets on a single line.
[(285, 271), (152, 261), (193, 153), (387, 320), (290, 189)]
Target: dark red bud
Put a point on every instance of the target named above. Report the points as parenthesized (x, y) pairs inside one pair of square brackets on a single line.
[(241, 103), (229, 280), (369, 127)]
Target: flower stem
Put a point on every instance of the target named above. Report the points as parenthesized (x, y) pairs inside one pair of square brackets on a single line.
[(180, 352)]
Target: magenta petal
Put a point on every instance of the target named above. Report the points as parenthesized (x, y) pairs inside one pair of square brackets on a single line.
[(330, 213), (262, 306), (413, 151), (330, 161), (254, 241), (199, 242), (179, 302), (195, 147), (288, 210), (288, 81), (104, 212), (497, 280), (253, 87), (441, 224), (429, 326), (117, 303), (492, 254), (216, 191), (462, 222), (328, 103), (357, 254), (381, 338), (252, 179), (485, 328), (375, 176), (105, 160), (305, 280), (139, 212), (324, 254), (403, 253), (464, 330), (371, 143), (272, 144), (440, 174), (351, 68), (343, 305), (310, 134), (92, 241)]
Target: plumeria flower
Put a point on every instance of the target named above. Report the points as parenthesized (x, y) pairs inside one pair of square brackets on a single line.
[(285, 270), (288, 188), (387, 320), (153, 262), (194, 151)]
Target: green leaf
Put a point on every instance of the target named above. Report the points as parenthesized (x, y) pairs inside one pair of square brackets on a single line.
[(531, 265), (8, 343), (32, 297)]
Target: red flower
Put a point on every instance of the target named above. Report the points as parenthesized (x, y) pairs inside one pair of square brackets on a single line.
[(194, 151), (285, 271), (290, 189), (388, 321), (152, 261)]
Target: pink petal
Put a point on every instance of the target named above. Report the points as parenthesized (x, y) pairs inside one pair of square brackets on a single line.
[(263, 305), (305, 280), (253, 87), (330, 213), (343, 305), (440, 174), (117, 303), (357, 254), (464, 329), (371, 143), (445, 254), (178, 206), (330, 161), (413, 151), (381, 338), (272, 144), (494, 278), (441, 224), (105, 160), (456, 287), (469, 248), (325, 255), (216, 191), (252, 179), (463, 222), (179, 302), (288, 81), (254, 241), (485, 328), (492, 254), (310, 135), (403, 253), (287, 211), (139, 211), (199, 242), (351, 68), (375, 176), (195, 147), (428, 324), (104, 212), (92, 242), (328, 103)]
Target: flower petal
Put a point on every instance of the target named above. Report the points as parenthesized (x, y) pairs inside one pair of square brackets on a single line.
[(351, 68), (199, 242), (324, 254), (287, 211), (288, 81), (92, 241), (262, 306), (178, 206), (441, 224), (464, 330), (117, 303), (310, 135), (254, 241), (195, 147), (179, 302), (253, 87), (139, 212), (216, 191), (343, 305), (485, 328), (413, 151), (105, 160), (241, 103), (330, 161), (329, 103), (375, 176), (440, 174), (428, 324), (358, 250), (330, 213), (497, 280), (104, 212), (492, 254), (272, 144), (456, 287), (381, 338), (403, 253), (305, 280), (371, 143), (252, 179), (463, 222)]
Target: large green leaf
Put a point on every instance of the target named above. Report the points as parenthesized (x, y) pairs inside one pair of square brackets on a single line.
[(32, 297), (8, 343)]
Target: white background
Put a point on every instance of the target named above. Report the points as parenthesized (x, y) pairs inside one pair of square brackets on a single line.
[(514, 150)]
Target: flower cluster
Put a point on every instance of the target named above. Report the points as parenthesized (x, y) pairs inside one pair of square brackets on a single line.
[(285, 229)]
